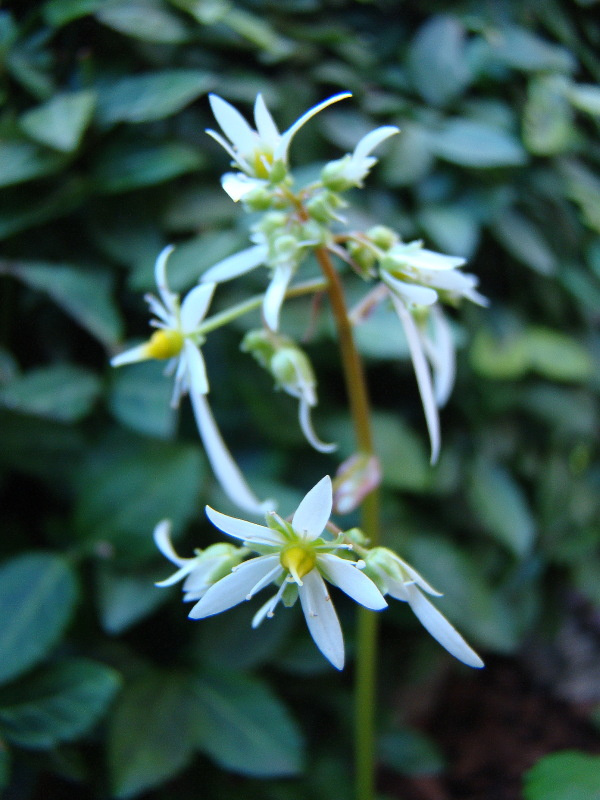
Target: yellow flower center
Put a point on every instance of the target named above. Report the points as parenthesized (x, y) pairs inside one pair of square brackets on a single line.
[(260, 167), (298, 560), (164, 344)]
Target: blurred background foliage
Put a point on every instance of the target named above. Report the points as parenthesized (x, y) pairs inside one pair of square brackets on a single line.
[(106, 689)]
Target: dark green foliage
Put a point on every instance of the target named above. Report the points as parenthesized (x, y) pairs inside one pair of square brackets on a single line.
[(103, 161)]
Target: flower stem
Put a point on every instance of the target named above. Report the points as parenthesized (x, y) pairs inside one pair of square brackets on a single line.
[(366, 658)]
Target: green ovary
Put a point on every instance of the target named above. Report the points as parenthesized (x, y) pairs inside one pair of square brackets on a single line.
[(299, 560)]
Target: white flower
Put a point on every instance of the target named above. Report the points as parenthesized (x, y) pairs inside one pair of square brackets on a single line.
[(178, 340), (398, 579), (417, 275), (352, 169), (297, 559), (260, 154), (201, 571)]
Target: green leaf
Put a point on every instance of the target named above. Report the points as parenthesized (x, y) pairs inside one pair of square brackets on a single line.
[(499, 358), (133, 164), (403, 455), (22, 161), (410, 753), (524, 50), (140, 398), (58, 704), (547, 117), (244, 727), (453, 229), (437, 62), (37, 597), (475, 144), (566, 775), (60, 12), (124, 600), (20, 210), (150, 737), (83, 294), (130, 484), (61, 122), (409, 158), (65, 393), (557, 356), (144, 19), (144, 98), (585, 97), (524, 241), (500, 504)]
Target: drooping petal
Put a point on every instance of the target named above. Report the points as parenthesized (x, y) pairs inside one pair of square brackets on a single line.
[(195, 305), (307, 429), (162, 539), (439, 349), (420, 258), (233, 125), (268, 608), (265, 125), (418, 579), (422, 374), (280, 153), (275, 294), (177, 576), (421, 295), (241, 529), (237, 264), (314, 510), (238, 184), (351, 580), (321, 618), (226, 470), (438, 626), (196, 368), (198, 581), (131, 356), (233, 588)]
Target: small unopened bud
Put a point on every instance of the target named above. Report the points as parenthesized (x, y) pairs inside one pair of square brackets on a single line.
[(323, 206), (278, 172), (363, 256), (333, 175), (382, 237), (294, 374), (356, 477), (259, 199)]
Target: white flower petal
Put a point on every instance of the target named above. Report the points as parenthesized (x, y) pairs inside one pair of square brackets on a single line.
[(265, 125), (224, 467), (421, 295), (275, 294), (268, 608), (160, 275), (321, 618), (241, 529), (420, 258), (198, 382), (307, 429), (198, 581), (280, 153), (195, 305), (162, 539), (351, 580), (131, 356), (233, 125), (441, 354), (177, 576), (369, 142), (418, 579), (237, 184), (422, 374), (157, 308), (439, 627), (237, 264), (314, 510), (233, 588)]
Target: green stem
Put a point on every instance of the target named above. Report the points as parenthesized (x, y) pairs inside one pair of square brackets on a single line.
[(366, 658)]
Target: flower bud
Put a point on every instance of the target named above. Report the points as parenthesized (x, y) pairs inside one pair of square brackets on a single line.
[(333, 175), (382, 237)]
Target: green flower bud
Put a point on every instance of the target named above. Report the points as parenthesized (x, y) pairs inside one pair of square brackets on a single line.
[(363, 256), (259, 199), (382, 237), (333, 175)]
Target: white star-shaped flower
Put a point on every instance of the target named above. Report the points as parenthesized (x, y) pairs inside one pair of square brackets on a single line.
[(257, 153), (178, 341), (353, 168), (401, 581), (295, 557)]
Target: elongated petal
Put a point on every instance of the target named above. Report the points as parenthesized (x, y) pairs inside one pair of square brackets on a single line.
[(351, 580), (421, 258), (307, 429), (275, 294), (160, 275), (195, 305), (280, 153), (198, 581), (177, 576), (441, 354), (238, 184), (321, 618), (268, 608), (369, 142), (267, 130), (421, 295), (196, 368), (237, 264), (241, 529), (162, 539), (438, 626), (131, 356), (422, 374), (233, 588), (314, 510), (418, 579), (226, 470), (233, 124)]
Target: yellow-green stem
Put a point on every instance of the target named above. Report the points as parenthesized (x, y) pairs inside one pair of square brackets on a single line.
[(366, 655)]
